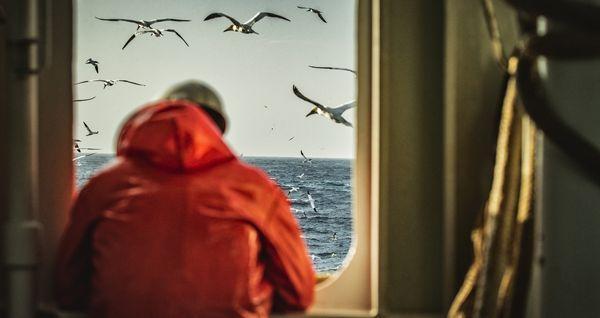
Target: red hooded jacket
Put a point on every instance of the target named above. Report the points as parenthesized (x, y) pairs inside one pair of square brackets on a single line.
[(179, 227)]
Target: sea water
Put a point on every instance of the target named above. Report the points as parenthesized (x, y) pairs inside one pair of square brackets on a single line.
[(327, 232)]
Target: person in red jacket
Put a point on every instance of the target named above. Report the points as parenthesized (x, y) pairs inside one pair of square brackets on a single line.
[(177, 226)]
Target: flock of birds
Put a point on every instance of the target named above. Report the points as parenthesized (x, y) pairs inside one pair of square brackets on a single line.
[(146, 28)]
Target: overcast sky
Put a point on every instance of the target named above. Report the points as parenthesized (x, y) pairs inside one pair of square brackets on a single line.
[(248, 71)]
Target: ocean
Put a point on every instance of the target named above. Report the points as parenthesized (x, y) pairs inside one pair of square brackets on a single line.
[(327, 232)]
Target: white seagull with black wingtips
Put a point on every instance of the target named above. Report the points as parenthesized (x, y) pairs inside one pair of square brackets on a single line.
[(334, 68), (292, 189), (305, 160), (311, 201), (83, 99), (143, 23), (154, 32), (90, 132), (93, 63), (110, 82), (246, 27), (79, 149), (335, 114), (318, 12)]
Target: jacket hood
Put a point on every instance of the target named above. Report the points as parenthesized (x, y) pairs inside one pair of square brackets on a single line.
[(173, 135)]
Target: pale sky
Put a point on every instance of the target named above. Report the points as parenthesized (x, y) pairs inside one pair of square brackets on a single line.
[(248, 71)]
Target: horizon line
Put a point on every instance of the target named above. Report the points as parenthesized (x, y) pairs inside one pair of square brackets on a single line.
[(256, 156)]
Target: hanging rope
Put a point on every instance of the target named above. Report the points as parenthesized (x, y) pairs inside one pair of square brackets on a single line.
[(489, 14), (495, 261)]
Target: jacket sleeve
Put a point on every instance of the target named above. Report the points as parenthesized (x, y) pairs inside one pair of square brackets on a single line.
[(74, 259), (288, 265)]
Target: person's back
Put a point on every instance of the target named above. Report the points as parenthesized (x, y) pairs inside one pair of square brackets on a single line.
[(178, 227)]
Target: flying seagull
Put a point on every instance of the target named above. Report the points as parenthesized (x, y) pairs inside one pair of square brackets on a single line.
[(110, 82), (94, 63), (76, 144), (90, 132), (334, 114), (311, 201), (144, 23), (79, 149), (291, 138), (305, 158), (83, 99), (334, 68), (293, 189), (246, 27), (318, 12), (154, 32), (301, 176)]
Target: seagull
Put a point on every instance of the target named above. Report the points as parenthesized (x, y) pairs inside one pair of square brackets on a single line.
[(83, 156), (92, 62), (76, 145), (110, 82), (301, 176), (334, 68), (90, 131), (154, 32), (144, 23), (246, 27), (79, 149), (312, 201), (334, 114), (334, 236), (318, 12), (291, 138), (305, 159), (293, 189), (83, 99)]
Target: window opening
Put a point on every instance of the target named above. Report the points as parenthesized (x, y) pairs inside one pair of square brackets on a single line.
[(269, 81)]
